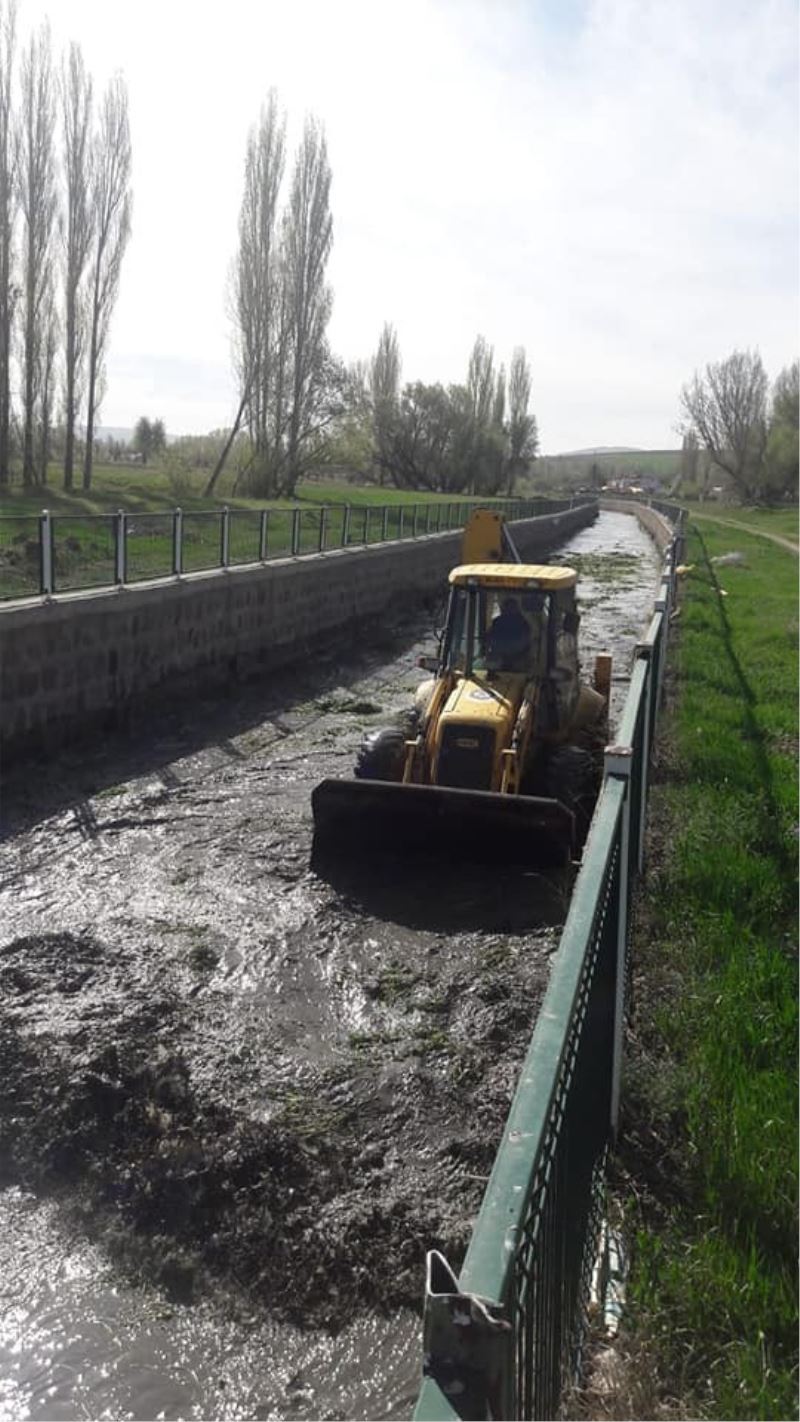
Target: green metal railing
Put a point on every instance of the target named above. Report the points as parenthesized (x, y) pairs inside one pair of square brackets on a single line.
[(505, 1338), (53, 553)]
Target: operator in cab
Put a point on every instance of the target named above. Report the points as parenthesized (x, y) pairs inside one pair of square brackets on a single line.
[(508, 644)]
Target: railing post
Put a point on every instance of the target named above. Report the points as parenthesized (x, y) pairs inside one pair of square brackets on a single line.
[(385, 524), (427, 517), (224, 539), (323, 519), (346, 526), (120, 547), (400, 521), (177, 542), (46, 559), (663, 604), (263, 534), (486, 1340), (366, 524), (295, 532), (415, 521), (644, 653), (619, 763)]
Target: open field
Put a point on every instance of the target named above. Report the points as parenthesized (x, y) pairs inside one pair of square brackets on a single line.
[(152, 490), (709, 1151)]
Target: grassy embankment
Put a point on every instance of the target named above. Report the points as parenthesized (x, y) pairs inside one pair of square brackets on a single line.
[(84, 541), (782, 522), (710, 1148)]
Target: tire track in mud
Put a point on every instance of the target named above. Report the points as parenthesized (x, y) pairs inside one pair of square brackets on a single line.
[(246, 1079)]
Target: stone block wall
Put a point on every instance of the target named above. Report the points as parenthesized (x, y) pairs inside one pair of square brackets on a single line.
[(659, 527), (83, 659)]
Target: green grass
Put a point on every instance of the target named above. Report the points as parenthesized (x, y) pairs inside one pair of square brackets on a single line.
[(784, 522), (84, 526), (662, 464), (714, 1082), (151, 490)]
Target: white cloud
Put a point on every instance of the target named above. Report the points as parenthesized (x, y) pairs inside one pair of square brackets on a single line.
[(612, 185)]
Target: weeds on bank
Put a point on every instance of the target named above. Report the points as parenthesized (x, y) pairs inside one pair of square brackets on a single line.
[(710, 1142)]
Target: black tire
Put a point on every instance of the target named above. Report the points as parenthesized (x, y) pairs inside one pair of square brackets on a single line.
[(381, 755), (571, 776)]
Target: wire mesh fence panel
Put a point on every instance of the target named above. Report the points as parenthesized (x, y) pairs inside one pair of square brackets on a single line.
[(20, 556), (279, 537), (393, 521), (244, 537), (307, 525), (201, 541), (84, 551), (334, 525), (149, 546), (546, 1191), (554, 1264)]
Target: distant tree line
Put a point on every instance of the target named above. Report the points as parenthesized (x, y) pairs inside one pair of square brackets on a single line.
[(300, 408), (747, 432), (65, 208)]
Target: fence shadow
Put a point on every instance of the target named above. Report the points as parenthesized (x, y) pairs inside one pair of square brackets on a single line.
[(772, 841)]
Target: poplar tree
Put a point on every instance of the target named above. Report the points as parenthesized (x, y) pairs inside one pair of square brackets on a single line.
[(111, 226), (76, 233), (37, 193), (8, 208)]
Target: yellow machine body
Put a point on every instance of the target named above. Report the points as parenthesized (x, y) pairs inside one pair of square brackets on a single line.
[(490, 721)]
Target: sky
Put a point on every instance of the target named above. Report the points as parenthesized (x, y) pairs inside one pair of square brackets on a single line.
[(611, 184)]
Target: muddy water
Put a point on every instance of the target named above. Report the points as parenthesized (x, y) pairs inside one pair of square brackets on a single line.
[(241, 1099)]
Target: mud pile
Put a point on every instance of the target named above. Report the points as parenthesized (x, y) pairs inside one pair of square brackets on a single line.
[(324, 1205)]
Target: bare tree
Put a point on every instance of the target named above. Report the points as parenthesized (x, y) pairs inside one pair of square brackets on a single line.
[(308, 237), (258, 297), (46, 347), (480, 382), (111, 225), (523, 437), (8, 206), (76, 232), (291, 387), (384, 389), (499, 406), (728, 409), (37, 191)]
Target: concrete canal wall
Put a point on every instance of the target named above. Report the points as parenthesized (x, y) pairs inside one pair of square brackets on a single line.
[(83, 661), (659, 527)]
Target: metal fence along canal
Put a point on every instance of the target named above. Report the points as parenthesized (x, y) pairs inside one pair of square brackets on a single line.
[(53, 553), (505, 1338)]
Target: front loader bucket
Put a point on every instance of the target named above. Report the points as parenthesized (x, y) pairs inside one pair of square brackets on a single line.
[(476, 825)]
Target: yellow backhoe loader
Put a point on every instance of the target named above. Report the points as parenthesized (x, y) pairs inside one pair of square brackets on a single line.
[(501, 756)]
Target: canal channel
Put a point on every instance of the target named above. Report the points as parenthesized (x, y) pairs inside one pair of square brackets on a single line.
[(242, 1099)]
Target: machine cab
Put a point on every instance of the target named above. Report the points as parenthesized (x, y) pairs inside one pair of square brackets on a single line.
[(512, 620)]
